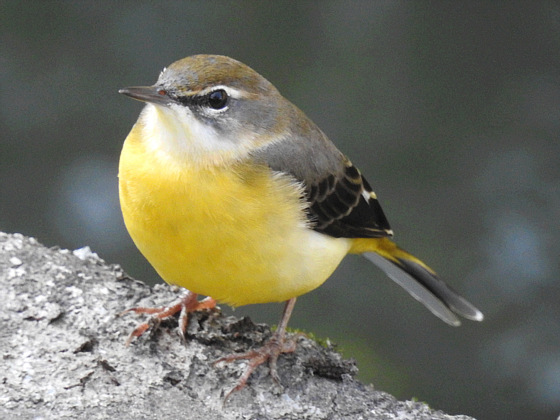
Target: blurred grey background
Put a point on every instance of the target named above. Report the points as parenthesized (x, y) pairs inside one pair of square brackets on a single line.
[(451, 110)]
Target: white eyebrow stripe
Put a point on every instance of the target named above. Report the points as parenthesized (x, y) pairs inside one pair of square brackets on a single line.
[(234, 93)]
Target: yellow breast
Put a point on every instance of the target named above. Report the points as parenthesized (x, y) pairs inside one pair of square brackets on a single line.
[(236, 232)]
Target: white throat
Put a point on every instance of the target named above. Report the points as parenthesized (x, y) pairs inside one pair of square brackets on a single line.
[(172, 133)]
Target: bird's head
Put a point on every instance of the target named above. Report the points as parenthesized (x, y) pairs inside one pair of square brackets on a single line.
[(208, 107)]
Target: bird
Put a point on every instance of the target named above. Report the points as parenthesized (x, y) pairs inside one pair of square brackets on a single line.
[(231, 192)]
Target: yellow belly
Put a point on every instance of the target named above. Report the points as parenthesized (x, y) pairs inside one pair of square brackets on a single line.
[(235, 233)]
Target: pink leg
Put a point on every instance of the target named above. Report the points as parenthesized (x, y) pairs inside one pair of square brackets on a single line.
[(268, 352), (185, 305)]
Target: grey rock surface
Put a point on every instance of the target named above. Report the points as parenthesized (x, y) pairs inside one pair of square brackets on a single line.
[(63, 354)]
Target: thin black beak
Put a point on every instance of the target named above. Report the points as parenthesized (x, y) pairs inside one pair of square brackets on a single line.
[(151, 94)]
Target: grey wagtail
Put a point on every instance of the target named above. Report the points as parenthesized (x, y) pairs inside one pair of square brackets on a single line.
[(231, 192)]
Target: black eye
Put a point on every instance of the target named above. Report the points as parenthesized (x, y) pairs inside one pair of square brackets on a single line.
[(218, 99)]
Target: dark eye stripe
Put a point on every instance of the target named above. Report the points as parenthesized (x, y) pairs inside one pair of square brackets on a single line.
[(217, 99)]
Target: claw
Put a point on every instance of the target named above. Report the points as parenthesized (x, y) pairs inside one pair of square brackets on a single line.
[(187, 304), (270, 352)]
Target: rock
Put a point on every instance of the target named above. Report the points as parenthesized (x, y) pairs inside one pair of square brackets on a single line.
[(63, 353)]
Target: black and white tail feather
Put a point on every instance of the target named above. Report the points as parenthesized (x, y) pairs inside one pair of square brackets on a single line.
[(427, 288)]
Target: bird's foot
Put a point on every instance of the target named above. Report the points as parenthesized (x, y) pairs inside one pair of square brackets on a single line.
[(187, 304), (270, 351)]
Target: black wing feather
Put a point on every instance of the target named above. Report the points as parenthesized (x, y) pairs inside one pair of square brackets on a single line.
[(345, 206)]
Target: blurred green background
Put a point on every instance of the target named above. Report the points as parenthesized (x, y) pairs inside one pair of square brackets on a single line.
[(451, 110)]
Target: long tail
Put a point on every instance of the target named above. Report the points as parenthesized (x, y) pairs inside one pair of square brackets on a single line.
[(417, 279)]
